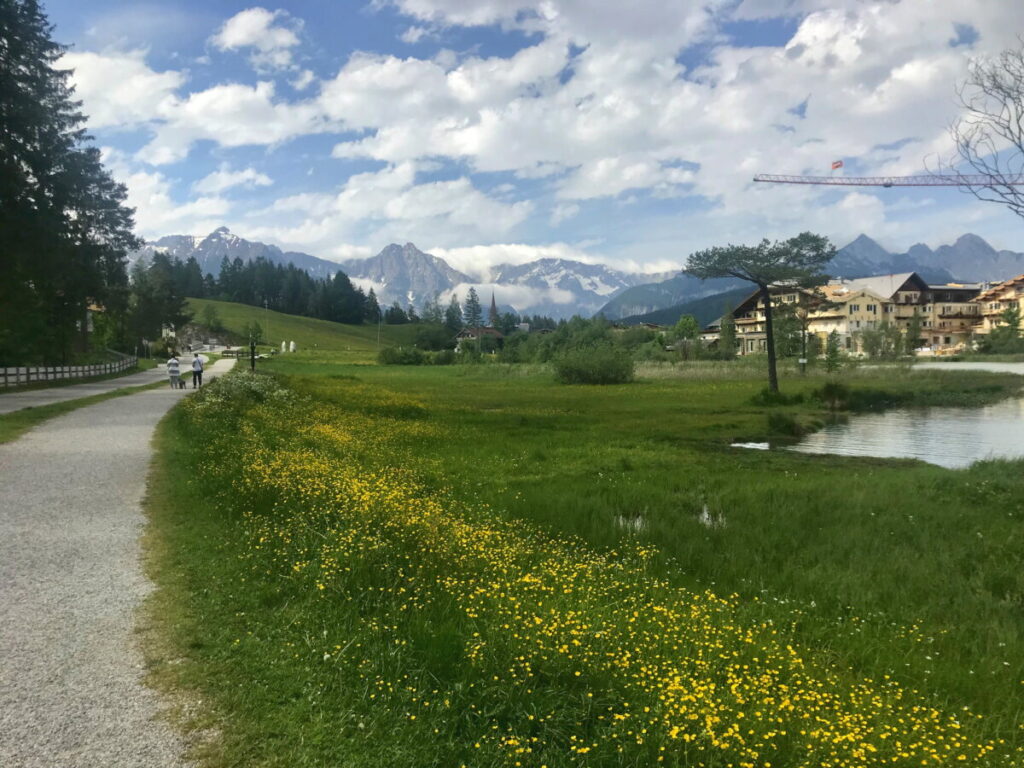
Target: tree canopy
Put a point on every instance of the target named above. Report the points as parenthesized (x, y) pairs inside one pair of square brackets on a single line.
[(64, 227), (797, 262)]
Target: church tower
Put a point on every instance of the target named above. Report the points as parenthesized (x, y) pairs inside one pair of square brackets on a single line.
[(492, 318)]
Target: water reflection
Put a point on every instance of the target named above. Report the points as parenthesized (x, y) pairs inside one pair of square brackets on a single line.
[(949, 437)]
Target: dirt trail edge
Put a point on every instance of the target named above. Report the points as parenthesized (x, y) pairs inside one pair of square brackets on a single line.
[(71, 579)]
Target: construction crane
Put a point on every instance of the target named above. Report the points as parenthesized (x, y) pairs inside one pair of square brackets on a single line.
[(965, 180)]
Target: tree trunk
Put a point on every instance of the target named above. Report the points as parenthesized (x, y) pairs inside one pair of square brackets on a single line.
[(773, 377)]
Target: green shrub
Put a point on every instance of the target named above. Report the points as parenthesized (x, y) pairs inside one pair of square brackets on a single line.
[(769, 397), (784, 424), (401, 356), (444, 357), (833, 394), (595, 365)]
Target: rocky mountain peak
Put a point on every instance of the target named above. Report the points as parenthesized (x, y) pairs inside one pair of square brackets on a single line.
[(974, 244)]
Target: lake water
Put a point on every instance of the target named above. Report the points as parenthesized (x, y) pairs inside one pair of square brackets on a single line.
[(949, 437)]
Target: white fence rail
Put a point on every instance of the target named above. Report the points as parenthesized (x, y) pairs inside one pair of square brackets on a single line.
[(21, 375)]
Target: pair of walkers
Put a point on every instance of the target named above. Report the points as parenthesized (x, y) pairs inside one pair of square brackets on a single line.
[(174, 372)]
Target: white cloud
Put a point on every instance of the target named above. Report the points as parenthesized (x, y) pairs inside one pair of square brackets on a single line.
[(119, 89), (562, 212), (157, 212), (224, 178), (270, 34), (597, 105), (305, 79), (479, 260), (414, 34), (389, 205), (231, 115), (522, 297)]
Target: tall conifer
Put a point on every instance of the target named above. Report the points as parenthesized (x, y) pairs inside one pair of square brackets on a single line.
[(64, 228)]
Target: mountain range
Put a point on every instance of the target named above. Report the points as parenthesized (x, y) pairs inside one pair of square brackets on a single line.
[(564, 287), (969, 260), (210, 250)]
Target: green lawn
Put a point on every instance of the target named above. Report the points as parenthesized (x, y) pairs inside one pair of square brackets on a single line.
[(334, 341), (880, 570)]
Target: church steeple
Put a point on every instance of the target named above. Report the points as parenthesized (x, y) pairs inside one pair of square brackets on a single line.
[(493, 316)]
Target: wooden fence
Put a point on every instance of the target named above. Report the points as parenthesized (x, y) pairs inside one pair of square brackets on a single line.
[(18, 376)]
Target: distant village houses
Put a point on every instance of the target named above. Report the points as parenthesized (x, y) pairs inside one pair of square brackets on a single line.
[(488, 338), (997, 299), (946, 316)]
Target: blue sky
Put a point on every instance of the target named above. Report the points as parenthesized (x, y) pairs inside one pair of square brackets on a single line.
[(491, 131)]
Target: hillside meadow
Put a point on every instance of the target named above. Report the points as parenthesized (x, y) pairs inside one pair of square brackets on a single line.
[(321, 339), (473, 565)]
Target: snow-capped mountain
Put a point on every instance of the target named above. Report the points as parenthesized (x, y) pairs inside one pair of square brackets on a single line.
[(405, 274), (590, 286), (554, 287), (209, 251)]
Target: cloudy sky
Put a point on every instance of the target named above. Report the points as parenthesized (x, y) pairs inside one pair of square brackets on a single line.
[(492, 131)]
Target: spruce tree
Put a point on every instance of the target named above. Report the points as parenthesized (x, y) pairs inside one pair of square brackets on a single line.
[(372, 307), (472, 312), (64, 228), (727, 336), (453, 315)]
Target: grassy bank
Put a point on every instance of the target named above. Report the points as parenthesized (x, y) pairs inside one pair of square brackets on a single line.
[(13, 425), (381, 565)]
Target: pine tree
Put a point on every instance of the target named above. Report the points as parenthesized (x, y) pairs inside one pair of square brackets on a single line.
[(472, 312), (727, 336), (798, 261), (372, 307), (833, 355), (913, 337), (64, 228), (453, 315)]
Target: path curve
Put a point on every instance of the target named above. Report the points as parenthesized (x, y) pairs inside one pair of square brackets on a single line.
[(71, 579)]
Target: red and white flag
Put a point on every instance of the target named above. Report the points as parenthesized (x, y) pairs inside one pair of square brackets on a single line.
[(837, 164)]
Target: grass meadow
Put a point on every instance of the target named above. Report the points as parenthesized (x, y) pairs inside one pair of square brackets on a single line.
[(315, 338), (473, 565)]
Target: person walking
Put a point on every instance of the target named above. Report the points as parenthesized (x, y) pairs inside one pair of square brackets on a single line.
[(174, 371), (197, 371)]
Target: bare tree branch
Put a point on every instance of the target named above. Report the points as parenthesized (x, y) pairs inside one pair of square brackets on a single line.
[(989, 136)]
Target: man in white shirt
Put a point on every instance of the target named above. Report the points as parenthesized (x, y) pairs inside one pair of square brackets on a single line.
[(197, 372), (174, 372)]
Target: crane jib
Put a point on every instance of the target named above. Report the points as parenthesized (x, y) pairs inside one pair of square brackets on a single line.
[(962, 180)]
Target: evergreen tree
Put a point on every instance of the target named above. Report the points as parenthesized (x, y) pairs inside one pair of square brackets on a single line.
[(453, 315), (472, 312), (833, 355), (155, 301), (410, 313), (432, 311), (395, 315), (194, 285), (913, 337), (727, 336), (64, 228), (372, 307), (508, 323)]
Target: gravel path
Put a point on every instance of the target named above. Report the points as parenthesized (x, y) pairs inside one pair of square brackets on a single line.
[(32, 398), (71, 690)]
